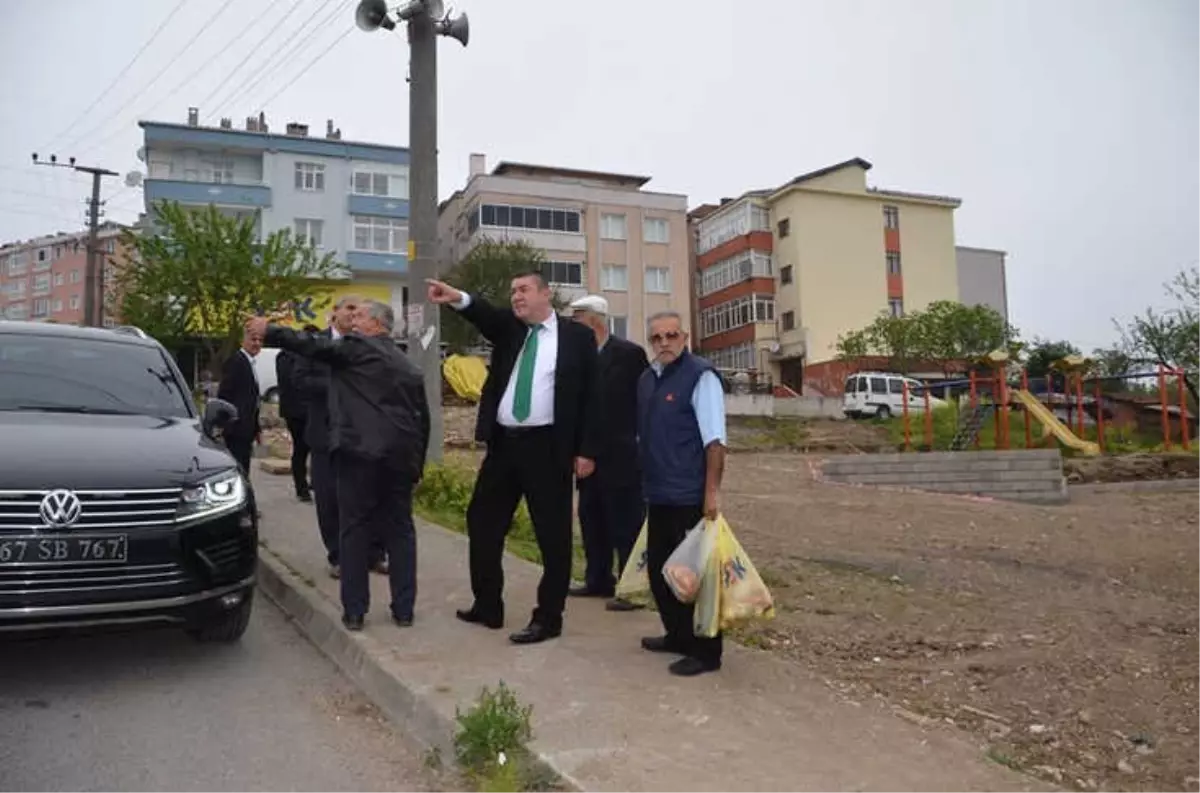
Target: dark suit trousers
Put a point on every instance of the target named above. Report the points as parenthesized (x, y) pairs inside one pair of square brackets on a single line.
[(375, 506), (522, 463), (325, 492), (666, 529), (242, 450), (611, 511), (300, 452)]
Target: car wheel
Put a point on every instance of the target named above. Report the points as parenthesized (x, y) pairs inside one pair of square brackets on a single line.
[(226, 627), (884, 413), (272, 396)]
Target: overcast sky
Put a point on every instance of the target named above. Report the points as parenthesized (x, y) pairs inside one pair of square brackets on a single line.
[(1069, 128)]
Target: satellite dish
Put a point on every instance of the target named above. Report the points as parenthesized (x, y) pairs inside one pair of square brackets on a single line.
[(133, 179), (141, 153), (774, 348)]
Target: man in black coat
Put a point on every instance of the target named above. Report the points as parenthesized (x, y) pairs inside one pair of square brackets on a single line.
[(293, 408), (378, 434), (611, 508), (239, 387), (537, 417)]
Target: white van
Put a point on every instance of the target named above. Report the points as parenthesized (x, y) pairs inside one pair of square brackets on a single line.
[(881, 395), (264, 368)]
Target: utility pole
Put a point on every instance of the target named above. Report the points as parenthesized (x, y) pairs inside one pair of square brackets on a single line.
[(93, 301), (426, 21)]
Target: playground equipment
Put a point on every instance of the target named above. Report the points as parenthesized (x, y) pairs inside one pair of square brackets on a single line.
[(993, 387)]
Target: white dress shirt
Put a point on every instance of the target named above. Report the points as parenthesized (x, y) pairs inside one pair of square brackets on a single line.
[(541, 405)]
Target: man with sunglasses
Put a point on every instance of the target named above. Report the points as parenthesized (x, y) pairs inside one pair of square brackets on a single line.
[(682, 439)]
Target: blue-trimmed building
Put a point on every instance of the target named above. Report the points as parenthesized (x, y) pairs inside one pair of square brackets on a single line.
[(350, 198)]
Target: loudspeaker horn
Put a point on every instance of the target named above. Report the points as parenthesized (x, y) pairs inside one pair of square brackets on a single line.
[(372, 15), (458, 28)]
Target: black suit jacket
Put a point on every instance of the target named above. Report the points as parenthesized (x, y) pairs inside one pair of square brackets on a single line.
[(311, 378), (576, 430), (292, 401), (377, 405), (620, 365), (240, 388)]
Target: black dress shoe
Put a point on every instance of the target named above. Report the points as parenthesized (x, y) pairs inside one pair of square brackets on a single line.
[(534, 633), (690, 667), (620, 604), (304, 498), (475, 617), (403, 622), (353, 622), (588, 592), (661, 644)]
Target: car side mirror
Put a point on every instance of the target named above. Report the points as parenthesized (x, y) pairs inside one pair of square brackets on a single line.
[(218, 414)]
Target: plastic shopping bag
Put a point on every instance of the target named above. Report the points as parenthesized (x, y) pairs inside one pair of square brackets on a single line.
[(706, 618), (685, 568), (635, 579), (744, 596)]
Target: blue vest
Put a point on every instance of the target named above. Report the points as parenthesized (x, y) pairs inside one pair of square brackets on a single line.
[(672, 451)]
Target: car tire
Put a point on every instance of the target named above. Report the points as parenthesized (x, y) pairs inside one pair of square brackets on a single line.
[(884, 413), (226, 627), (271, 397)]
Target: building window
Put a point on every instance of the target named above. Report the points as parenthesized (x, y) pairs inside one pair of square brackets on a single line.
[(16, 263), (737, 268), (75, 276), (390, 185), (893, 263), (891, 217), (18, 311), (563, 273), (658, 280), (736, 313), (74, 302), (41, 284), (57, 305), (784, 227), (58, 279), (614, 278), (612, 227), (532, 218), (735, 220), (739, 356), (381, 235), (41, 308), (618, 326), (788, 320), (785, 274), (310, 177), (308, 230), (218, 171), (896, 307), (16, 288), (42, 255), (656, 230)]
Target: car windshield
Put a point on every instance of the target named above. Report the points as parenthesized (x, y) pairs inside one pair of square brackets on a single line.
[(83, 375)]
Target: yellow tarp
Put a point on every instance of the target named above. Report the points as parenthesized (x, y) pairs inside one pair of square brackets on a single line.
[(465, 374), (315, 309)]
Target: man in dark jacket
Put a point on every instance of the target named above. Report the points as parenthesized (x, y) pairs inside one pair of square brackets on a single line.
[(239, 387), (379, 434), (611, 509), (293, 408), (681, 433)]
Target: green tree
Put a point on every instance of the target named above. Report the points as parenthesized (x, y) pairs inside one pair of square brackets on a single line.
[(198, 273), (946, 332), (1042, 354), (1170, 337), (487, 271)]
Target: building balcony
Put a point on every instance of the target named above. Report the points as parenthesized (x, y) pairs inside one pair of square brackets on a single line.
[(379, 206), (229, 195), (361, 262)]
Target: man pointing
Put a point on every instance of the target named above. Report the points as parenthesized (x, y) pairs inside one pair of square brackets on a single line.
[(537, 419)]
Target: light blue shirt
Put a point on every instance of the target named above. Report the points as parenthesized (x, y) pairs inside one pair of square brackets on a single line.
[(708, 402)]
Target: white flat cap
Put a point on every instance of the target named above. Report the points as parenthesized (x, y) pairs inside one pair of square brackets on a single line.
[(593, 303)]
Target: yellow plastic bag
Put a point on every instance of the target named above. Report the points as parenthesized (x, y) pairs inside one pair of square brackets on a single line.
[(731, 590), (635, 579)]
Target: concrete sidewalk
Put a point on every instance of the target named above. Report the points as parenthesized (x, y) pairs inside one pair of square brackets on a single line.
[(606, 714)]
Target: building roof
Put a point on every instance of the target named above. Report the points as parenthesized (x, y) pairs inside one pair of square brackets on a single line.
[(981, 250), (510, 168), (804, 177)]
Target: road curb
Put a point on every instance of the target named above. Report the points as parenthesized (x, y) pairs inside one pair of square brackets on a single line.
[(1137, 486), (366, 662)]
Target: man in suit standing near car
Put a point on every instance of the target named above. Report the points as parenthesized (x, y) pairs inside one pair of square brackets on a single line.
[(378, 435), (611, 509), (239, 387), (537, 418), (293, 408)]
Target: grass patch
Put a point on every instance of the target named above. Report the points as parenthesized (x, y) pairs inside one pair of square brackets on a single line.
[(769, 432), (491, 744)]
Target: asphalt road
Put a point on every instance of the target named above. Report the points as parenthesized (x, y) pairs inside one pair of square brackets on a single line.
[(157, 711)]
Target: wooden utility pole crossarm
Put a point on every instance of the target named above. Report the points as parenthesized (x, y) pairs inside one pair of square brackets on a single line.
[(93, 300)]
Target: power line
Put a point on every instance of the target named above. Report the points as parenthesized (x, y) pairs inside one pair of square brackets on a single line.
[(311, 64), (45, 215), (296, 43), (157, 77), (122, 73)]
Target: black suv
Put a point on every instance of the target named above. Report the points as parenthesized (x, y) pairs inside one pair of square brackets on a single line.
[(117, 506)]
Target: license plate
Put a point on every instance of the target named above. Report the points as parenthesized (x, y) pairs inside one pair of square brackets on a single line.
[(109, 548)]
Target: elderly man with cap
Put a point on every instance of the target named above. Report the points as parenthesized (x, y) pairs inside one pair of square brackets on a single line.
[(611, 508)]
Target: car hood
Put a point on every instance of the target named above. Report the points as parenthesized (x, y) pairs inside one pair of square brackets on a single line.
[(81, 452)]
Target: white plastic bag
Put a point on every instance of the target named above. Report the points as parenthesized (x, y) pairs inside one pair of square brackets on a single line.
[(685, 568)]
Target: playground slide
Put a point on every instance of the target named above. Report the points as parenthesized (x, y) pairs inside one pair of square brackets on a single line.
[(1055, 427)]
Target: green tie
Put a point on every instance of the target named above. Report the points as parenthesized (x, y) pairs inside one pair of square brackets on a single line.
[(523, 394)]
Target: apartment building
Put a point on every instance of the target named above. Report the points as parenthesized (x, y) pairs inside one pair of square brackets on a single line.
[(983, 278), (43, 279), (349, 198), (783, 272), (600, 233)]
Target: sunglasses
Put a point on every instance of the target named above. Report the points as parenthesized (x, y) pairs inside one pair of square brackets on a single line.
[(662, 338)]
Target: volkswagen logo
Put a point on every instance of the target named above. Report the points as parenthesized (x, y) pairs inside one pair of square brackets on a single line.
[(60, 509)]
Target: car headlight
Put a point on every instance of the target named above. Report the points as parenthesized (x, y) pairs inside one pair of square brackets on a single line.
[(225, 492)]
